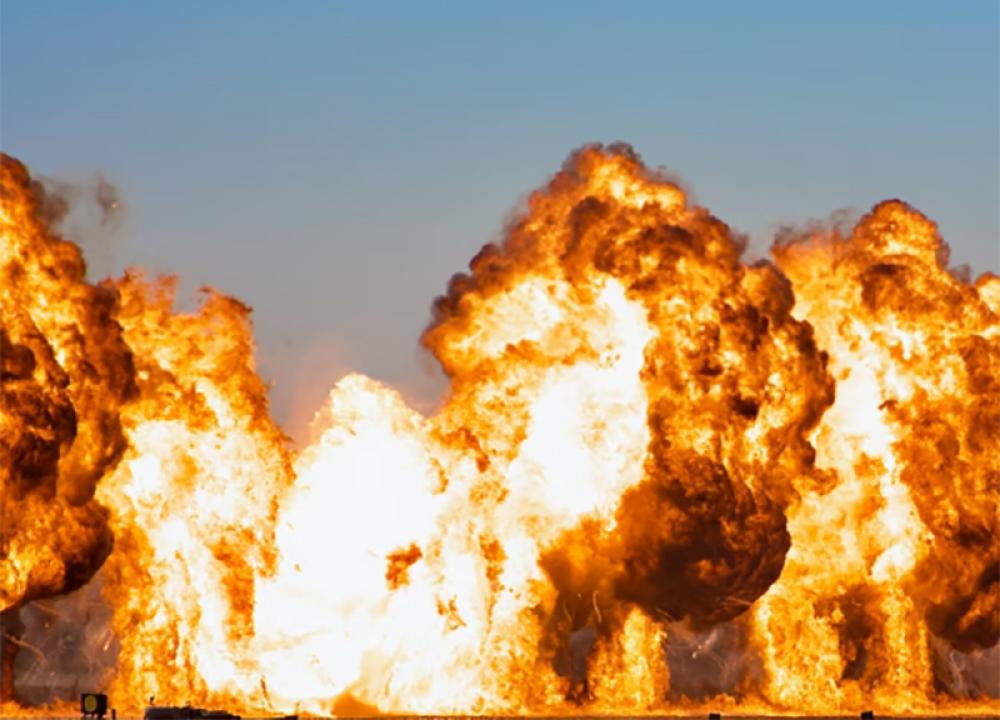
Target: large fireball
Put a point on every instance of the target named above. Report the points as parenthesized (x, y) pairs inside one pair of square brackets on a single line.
[(647, 442)]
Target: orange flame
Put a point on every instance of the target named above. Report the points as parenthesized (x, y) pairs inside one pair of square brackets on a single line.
[(644, 438)]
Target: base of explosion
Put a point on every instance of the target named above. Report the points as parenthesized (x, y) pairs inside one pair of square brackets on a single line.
[(94, 706)]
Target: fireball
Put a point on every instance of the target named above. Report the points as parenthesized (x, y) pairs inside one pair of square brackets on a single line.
[(646, 439)]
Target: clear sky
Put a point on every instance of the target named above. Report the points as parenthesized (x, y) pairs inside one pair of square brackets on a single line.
[(333, 164)]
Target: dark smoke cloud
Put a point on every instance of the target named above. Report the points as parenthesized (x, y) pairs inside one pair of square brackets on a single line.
[(695, 544)]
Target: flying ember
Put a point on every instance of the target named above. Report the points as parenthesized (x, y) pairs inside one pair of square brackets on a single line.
[(663, 478)]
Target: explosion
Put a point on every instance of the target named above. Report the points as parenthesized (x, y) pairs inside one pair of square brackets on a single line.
[(647, 443), (904, 543)]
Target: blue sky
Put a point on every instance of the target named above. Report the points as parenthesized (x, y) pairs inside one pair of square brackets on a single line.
[(333, 164)]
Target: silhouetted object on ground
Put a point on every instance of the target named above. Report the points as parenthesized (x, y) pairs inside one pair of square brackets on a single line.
[(93, 705), (186, 712)]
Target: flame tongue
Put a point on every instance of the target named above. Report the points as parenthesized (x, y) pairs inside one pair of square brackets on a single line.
[(641, 439), (193, 499)]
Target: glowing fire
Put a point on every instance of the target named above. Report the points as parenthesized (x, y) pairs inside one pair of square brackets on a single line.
[(646, 440)]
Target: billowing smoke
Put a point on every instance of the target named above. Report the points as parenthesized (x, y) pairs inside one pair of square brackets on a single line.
[(731, 381), (65, 376)]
